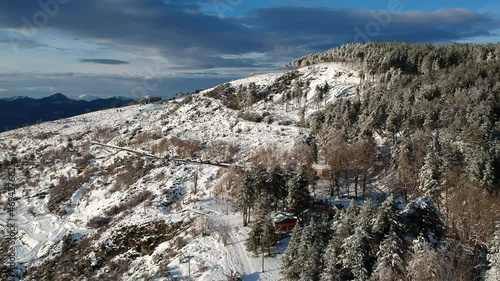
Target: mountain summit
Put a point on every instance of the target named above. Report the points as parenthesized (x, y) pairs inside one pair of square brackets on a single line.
[(57, 98)]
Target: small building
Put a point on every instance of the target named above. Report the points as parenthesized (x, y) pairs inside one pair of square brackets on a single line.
[(322, 171), (284, 221)]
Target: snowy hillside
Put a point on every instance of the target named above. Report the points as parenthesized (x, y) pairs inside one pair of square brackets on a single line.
[(99, 212)]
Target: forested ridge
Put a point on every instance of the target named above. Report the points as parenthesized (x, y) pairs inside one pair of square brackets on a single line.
[(438, 107), (444, 120)]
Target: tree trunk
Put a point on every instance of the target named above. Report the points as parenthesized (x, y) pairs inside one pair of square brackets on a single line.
[(332, 186), (195, 182), (356, 178), (364, 186), (346, 182)]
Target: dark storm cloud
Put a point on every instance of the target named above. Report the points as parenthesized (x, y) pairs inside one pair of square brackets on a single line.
[(312, 25), (151, 23), (183, 33), (104, 61)]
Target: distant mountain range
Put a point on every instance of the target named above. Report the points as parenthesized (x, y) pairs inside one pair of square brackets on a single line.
[(22, 111)]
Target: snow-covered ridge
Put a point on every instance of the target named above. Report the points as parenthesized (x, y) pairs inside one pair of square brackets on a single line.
[(173, 196)]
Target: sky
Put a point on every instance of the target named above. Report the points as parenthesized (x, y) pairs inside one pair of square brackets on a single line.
[(138, 48)]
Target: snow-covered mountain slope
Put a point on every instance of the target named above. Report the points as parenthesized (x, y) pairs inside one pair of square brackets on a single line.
[(95, 212)]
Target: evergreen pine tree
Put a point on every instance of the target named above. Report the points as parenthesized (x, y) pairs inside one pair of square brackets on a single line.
[(310, 253), (421, 217), (432, 170), (390, 263), (290, 267), (423, 262), (385, 218), (269, 236), (365, 217), (324, 229), (318, 235), (356, 253), (254, 241), (262, 234), (345, 228), (278, 187), (245, 197), (332, 261), (262, 189), (299, 198)]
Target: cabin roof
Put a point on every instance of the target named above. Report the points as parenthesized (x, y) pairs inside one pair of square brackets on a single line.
[(281, 217)]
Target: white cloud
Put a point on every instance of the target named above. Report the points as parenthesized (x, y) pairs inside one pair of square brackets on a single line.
[(251, 55)]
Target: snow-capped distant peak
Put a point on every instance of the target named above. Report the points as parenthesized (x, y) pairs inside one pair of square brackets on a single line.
[(122, 98), (14, 98), (87, 97)]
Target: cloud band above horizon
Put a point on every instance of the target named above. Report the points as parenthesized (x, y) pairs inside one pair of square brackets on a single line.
[(193, 40)]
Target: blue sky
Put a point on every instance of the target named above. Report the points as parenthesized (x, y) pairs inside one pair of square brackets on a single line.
[(160, 47)]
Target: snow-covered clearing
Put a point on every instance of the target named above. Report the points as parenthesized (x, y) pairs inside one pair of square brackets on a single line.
[(224, 251)]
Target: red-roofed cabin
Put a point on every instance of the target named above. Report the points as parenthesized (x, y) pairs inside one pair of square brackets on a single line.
[(286, 223)]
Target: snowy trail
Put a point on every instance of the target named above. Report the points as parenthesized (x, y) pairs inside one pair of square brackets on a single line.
[(44, 230), (239, 257), (35, 232), (248, 266)]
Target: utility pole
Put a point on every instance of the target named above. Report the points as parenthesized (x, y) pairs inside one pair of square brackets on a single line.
[(195, 181), (188, 260)]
